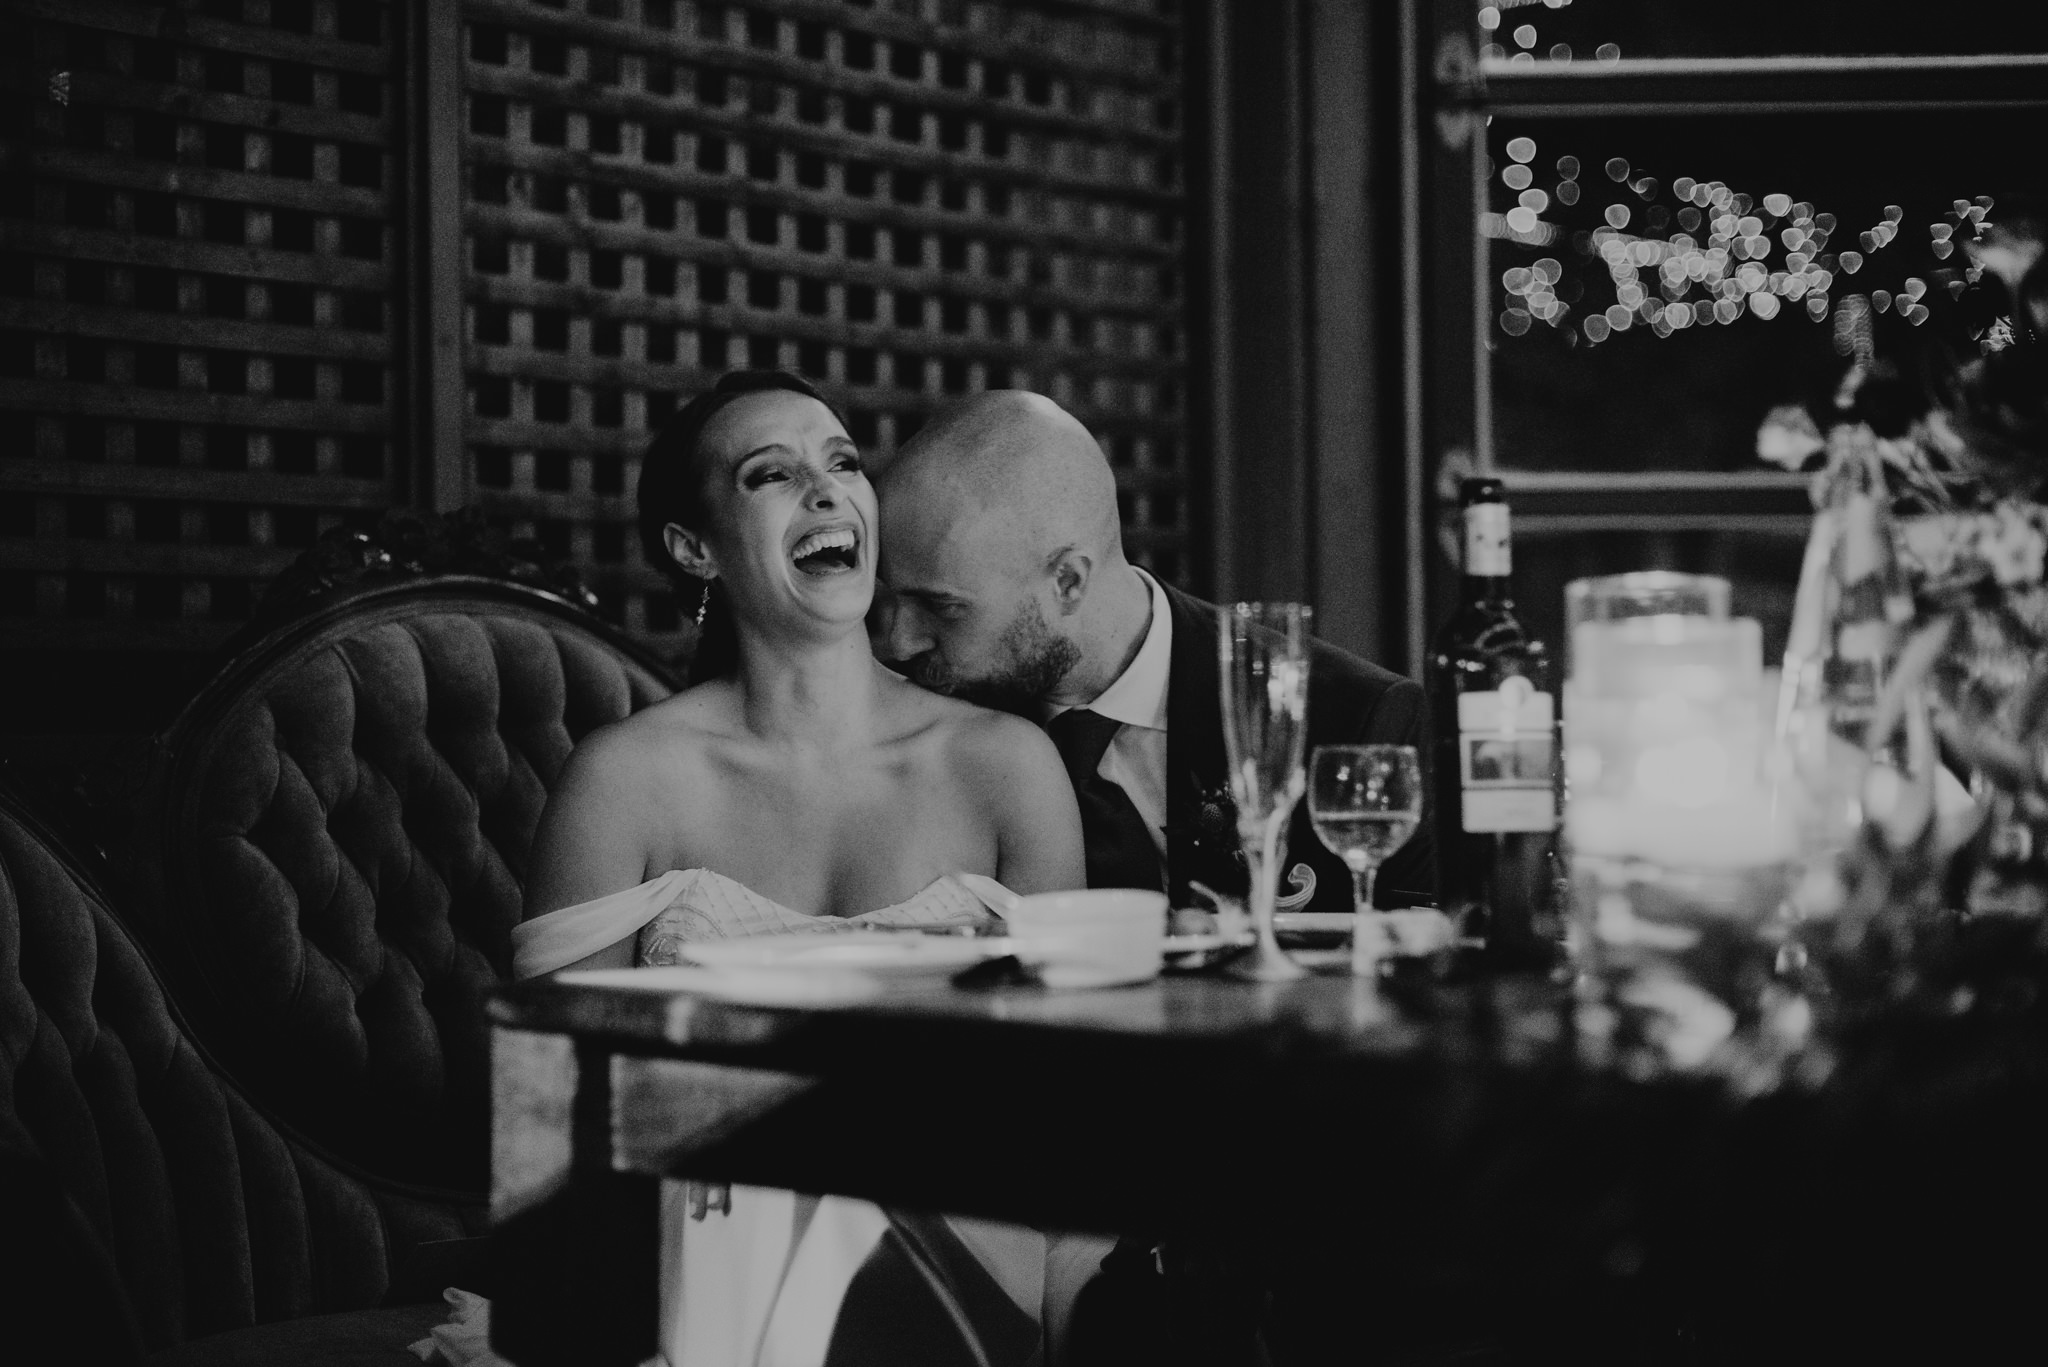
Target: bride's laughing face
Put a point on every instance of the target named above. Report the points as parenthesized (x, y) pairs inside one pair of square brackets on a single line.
[(790, 514)]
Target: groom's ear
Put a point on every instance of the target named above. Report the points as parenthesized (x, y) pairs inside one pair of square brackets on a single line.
[(690, 551), (1071, 570)]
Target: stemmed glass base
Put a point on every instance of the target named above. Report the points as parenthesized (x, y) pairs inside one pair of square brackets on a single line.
[(1265, 961), (1368, 955)]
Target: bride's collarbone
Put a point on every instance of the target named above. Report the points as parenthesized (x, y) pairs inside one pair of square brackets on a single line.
[(889, 768)]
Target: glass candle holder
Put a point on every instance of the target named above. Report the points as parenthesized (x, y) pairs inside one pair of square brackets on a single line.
[(1644, 593), (1681, 838)]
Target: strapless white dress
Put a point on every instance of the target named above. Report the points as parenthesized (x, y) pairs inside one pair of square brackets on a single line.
[(767, 1284), (683, 905)]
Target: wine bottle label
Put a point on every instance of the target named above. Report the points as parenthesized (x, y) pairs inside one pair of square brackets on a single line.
[(1506, 759), (1486, 541)]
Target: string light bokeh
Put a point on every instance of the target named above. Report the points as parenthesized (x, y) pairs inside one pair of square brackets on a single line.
[(1683, 273), (1698, 253), (1615, 246)]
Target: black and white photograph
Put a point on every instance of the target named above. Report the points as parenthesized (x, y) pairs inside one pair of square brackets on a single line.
[(1023, 683)]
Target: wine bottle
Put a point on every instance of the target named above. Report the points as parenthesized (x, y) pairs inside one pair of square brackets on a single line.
[(1495, 755)]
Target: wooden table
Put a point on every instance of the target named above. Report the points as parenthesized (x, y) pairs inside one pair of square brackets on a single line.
[(1417, 1144)]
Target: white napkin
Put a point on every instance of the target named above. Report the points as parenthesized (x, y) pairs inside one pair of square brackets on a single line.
[(465, 1340), (754, 987)]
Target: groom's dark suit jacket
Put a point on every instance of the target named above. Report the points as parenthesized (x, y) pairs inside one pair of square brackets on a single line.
[(1349, 702)]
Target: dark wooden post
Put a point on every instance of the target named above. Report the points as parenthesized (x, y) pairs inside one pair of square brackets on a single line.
[(1299, 313), (1445, 390), (431, 379), (576, 1243)]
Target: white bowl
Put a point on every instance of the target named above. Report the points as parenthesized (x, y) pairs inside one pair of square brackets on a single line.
[(1096, 937)]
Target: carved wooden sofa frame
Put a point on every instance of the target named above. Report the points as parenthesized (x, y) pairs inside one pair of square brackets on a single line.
[(307, 904)]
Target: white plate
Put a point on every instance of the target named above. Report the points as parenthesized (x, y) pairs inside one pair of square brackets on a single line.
[(1320, 922), (1411, 930), (1172, 944), (877, 953), (1199, 944), (1068, 977)]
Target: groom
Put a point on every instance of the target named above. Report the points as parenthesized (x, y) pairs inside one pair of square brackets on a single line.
[(1005, 582)]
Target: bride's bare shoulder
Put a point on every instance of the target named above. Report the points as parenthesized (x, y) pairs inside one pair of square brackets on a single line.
[(659, 737), (618, 807)]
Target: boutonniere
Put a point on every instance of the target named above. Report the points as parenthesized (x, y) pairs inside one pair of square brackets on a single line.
[(1207, 824), (1215, 814)]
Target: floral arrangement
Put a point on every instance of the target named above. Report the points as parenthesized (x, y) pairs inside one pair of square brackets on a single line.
[(1950, 457)]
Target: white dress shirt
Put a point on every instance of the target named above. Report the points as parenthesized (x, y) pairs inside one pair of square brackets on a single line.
[(1136, 758)]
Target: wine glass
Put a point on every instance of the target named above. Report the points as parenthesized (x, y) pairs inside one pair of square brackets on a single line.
[(1364, 801), (1262, 651)]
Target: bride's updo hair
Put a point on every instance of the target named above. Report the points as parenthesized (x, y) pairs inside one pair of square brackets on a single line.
[(672, 490)]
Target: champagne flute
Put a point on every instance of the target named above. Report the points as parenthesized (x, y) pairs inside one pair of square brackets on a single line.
[(1262, 651), (1364, 801)]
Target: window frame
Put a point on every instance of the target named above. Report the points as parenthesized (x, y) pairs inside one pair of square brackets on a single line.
[(1446, 310)]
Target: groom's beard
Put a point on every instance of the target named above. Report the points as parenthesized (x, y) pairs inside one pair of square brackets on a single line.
[(1035, 661)]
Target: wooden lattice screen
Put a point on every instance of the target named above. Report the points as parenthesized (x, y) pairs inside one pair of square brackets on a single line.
[(906, 200), (196, 308), (204, 220)]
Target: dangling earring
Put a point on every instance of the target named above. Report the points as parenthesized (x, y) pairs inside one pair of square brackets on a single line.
[(703, 605)]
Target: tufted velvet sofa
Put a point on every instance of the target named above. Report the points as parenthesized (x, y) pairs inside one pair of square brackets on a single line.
[(327, 864), (147, 1200)]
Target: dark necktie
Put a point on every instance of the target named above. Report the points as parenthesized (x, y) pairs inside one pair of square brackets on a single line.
[(1119, 847)]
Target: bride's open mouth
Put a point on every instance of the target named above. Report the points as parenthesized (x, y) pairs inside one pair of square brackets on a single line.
[(827, 551)]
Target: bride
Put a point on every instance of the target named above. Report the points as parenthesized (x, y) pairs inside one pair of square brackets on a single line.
[(799, 786)]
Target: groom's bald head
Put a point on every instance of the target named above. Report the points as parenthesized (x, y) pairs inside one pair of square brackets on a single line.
[(997, 520), (1010, 469)]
